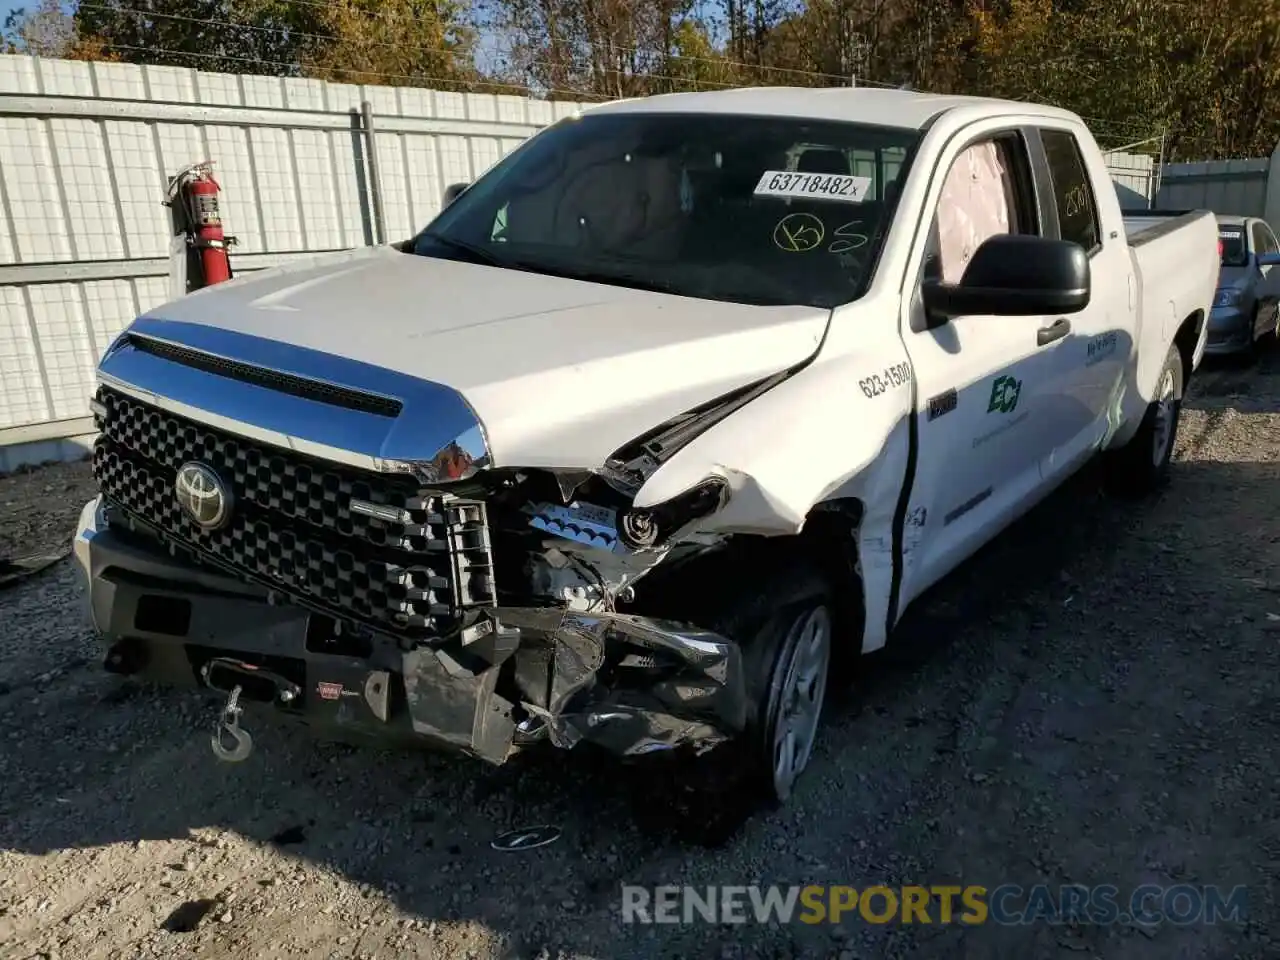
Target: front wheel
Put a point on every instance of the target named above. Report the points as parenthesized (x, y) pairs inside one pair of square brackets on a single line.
[(794, 697), (1141, 466), (783, 617)]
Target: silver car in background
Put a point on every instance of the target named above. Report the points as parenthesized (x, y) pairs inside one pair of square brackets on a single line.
[(1245, 308)]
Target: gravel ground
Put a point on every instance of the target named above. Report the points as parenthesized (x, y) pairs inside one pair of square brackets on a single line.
[(1090, 700)]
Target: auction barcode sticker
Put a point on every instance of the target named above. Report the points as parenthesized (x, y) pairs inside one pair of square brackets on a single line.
[(813, 186)]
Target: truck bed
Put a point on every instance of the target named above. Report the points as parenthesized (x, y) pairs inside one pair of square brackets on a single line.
[(1175, 263), (1140, 227)]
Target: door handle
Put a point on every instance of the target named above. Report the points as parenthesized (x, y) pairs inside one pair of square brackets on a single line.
[(1054, 331)]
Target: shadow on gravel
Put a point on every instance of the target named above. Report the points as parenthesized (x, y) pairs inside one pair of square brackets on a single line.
[(998, 584), (89, 763), (1238, 378), (655, 796)]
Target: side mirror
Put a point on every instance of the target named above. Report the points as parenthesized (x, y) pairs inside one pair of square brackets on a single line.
[(452, 191), (1269, 259), (1015, 275)]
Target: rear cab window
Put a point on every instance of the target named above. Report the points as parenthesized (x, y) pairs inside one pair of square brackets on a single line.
[(1233, 248), (880, 167), (1072, 190)]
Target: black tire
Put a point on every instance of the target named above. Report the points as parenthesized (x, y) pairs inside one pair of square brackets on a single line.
[(764, 622), (747, 597), (1141, 466), (1253, 352)]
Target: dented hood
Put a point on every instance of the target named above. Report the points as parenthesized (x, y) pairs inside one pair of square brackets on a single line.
[(560, 372)]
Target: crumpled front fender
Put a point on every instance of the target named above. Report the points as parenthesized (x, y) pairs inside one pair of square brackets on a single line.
[(635, 685), (804, 441), (817, 437)]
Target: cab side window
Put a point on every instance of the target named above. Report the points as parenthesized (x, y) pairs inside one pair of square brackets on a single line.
[(982, 197), (1072, 190), (1263, 240)]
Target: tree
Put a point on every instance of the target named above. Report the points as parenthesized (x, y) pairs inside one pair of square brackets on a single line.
[(50, 30), (203, 34), (592, 48), (1207, 72), (693, 62), (423, 43), (45, 31), (406, 42)]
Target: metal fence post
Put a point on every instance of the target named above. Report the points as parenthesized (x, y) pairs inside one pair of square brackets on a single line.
[(1158, 172), (375, 177)]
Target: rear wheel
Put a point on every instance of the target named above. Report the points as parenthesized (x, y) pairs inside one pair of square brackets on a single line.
[(1141, 466)]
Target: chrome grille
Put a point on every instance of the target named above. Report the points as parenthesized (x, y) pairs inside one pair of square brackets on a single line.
[(293, 528)]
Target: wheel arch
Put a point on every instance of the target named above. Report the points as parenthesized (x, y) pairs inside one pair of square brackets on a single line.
[(1187, 340), (699, 586), (831, 533)]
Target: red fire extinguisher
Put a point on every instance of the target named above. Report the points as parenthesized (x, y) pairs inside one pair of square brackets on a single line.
[(193, 195)]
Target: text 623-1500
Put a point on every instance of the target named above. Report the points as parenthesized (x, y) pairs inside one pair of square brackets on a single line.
[(880, 383)]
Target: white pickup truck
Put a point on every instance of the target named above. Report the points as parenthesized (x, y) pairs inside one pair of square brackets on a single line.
[(677, 407)]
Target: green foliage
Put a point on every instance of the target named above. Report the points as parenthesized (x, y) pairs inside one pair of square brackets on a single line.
[(1205, 73), (404, 42)]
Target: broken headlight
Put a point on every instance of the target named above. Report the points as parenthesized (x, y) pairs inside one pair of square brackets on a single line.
[(653, 526)]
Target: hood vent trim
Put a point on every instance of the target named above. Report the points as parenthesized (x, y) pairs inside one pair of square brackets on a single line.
[(296, 386)]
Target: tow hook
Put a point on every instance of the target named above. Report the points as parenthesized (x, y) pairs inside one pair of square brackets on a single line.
[(231, 743)]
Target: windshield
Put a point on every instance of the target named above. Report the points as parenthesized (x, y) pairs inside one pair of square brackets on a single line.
[(1232, 250), (762, 210)]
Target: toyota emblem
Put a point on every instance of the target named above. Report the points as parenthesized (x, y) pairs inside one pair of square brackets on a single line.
[(202, 495), (526, 839)]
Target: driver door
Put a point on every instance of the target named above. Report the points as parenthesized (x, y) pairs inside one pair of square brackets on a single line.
[(981, 380)]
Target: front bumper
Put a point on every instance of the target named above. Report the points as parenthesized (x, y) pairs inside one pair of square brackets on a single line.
[(629, 684), (1230, 331)]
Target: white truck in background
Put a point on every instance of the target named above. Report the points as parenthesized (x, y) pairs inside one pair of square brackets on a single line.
[(679, 404)]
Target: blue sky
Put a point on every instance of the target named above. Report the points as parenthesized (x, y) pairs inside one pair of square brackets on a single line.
[(8, 6)]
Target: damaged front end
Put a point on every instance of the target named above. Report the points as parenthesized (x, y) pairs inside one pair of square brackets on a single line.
[(587, 663), (566, 653), (569, 646), (626, 683), (483, 610)]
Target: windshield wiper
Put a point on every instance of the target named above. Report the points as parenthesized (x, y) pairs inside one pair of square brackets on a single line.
[(615, 279), (569, 273), (480, 253)]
